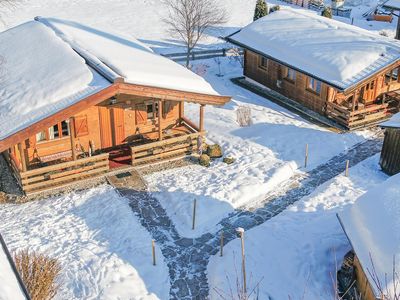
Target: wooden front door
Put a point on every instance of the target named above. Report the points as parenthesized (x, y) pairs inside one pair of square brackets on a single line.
[(105, 127), (117, 121)]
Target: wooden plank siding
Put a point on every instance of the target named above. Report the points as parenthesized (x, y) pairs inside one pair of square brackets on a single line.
[(390, 155), (296, 90), (359, 106), (363, 285)]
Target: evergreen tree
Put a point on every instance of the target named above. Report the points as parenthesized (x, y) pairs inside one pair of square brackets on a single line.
[(261, 10)]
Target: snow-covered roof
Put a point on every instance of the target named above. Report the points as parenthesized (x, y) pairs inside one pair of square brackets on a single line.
[(393, 122), (129, 58), (9, 287), (40, 75), (50, 64), (392, 4), (372, 225), (337, 53)]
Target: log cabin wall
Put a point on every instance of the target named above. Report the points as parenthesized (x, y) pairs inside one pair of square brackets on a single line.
[(274, 76), (106, 126), (362, 283)]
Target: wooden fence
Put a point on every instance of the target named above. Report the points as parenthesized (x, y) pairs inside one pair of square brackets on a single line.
[(205, 54), (181, 145), (354, 119), (57, 175)]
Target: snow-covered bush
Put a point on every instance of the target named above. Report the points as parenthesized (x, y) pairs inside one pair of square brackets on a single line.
[(39, 273), (261, 10), (327, 12), (243, 116)]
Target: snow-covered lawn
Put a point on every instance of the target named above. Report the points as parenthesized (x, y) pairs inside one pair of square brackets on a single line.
[(295, 251), (268, 152), (104, 251)]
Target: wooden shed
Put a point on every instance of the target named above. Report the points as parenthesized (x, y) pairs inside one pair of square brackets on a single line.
[(78, 102), (338, 70), (390, 155), (371, 226)]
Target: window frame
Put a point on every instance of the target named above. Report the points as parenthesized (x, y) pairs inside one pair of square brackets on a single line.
[(315, 87), (60, 136), (288, 78), (262, 59)]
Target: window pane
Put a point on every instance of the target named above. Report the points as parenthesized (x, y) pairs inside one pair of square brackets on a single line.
[(41, 136), (53, 132), (65, 128), (318, 86)]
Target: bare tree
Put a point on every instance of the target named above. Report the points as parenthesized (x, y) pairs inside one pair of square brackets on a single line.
[(189, 19)]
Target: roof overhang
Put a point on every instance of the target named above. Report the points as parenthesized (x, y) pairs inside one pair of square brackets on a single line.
[(112, 90)]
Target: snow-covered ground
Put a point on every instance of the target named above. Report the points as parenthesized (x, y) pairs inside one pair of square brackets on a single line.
[(267, 153), (104, 251), (294, 253)]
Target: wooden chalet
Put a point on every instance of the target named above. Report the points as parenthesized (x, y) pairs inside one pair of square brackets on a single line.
[(338, 70), (371, 226), (390, 154), (79, 102)]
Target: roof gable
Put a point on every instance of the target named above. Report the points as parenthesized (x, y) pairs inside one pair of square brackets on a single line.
[(337, 53)]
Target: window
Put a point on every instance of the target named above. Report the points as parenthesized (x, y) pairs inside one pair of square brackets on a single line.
[(81, 126), (391, 76), (314, 85), (291, 75), (41, 136), (152, 110), (263, 62), (54, 132)]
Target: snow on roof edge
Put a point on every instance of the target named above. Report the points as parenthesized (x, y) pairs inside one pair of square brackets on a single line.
[(343, 85)]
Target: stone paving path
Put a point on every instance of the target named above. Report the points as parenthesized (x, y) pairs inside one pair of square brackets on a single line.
[(187, 258)]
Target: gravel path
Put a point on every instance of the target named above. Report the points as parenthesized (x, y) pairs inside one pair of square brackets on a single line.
[(187, 258)]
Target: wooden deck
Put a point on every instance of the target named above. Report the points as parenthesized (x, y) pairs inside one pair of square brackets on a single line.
[(178, 141)]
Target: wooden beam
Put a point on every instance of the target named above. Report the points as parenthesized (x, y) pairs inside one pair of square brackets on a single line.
[(72, 136), (58, 117), (181, 111), (160, 111), (398, 29), (354, 101), (170, 94), (201, 118), (21, 150)]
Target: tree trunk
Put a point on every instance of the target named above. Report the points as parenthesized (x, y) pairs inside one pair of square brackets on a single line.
[(188, 57)]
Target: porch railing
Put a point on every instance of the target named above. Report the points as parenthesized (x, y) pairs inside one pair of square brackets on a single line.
[(41, 179), (181, 145), (357, 118)]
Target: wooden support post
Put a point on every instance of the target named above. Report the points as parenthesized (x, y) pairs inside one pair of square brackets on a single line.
[(306, 157), (222, 244), (181, 111), (72, 136), (201, 119), (153, 249), (347, 168), (194, 214), (160, 135), (21, 149), (397, 37), (353, 107)]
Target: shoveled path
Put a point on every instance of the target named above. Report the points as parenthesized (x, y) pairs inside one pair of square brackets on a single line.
[(187, 258)]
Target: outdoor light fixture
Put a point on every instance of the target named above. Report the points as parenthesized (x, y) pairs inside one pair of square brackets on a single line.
[(113, 101)]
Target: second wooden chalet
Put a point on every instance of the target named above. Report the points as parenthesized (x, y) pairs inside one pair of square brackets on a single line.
[(76, 101), (341, 71)]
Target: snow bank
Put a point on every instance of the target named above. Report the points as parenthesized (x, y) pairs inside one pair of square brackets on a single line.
[(372, 225), (267, 154), (333, 51), (104, 251), (9, 287), (393, 122), (40, 75), (294, 253), (131, 59)]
